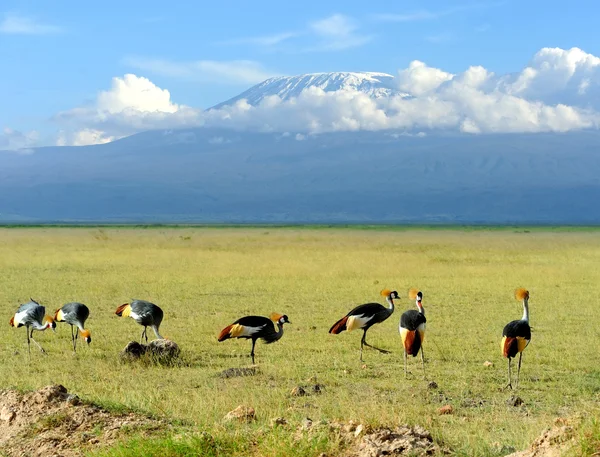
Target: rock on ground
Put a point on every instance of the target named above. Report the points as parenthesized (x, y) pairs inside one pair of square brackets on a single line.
[(161, 351), (241, 414), (53, 422)]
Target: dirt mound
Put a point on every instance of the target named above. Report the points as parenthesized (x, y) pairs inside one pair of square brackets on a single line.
[(554, 442), (52, 422), (364, 441), (402, 440)]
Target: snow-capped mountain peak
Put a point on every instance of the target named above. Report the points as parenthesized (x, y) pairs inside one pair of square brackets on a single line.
[(374, 84)]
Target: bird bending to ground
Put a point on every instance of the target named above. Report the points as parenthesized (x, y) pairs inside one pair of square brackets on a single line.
[(412, 329), (75, 314), (32, 315), (144, 313), (364, 316), (516, 335), (255, 327)]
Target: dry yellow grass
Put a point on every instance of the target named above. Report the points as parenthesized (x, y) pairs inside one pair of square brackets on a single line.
[(205, 278)]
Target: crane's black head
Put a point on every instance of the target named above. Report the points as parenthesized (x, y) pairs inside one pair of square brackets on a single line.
[(87, 336), (387, 293), (280, 318)]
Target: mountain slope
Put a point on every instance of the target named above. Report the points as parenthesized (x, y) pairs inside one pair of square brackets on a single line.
[(374, 84), (338, 177)]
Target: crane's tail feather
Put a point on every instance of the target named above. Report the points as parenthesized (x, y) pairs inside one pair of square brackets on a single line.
[(510, 346), (225, 333), (411, 340), (339, 326), (123, 310)]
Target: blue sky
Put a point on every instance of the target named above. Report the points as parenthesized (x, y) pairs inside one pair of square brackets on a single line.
[(59, 55)]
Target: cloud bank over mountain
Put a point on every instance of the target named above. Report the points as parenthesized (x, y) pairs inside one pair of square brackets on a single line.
[(558, 91)]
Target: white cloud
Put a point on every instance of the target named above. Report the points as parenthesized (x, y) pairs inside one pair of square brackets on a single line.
[(22, 25), (265, 40), (419, 79), (132, 104), (558, 91), (83, 137), (427, 15), (333, 33), (14, 140), (207, 71), (337, 32)]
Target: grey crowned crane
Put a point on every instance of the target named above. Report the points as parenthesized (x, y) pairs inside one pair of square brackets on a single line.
[(32, 315), (75, 314), (255, 327), (144, 313), (516, 335), (364, 316), (412, 329)]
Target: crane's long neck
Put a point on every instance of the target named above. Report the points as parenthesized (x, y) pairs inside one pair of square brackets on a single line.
[(420, 307), (525, 311), (279, 333), (390, 302), (156, 332), (39, 326)]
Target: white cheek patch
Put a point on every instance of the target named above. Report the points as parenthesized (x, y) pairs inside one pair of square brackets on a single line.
[(134, 315)]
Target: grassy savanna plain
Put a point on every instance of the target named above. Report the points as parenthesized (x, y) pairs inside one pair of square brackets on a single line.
[(205, 278)]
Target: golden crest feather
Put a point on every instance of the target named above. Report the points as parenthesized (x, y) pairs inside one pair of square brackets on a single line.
[(521, 293), (412, 293), (385, 292), (275, 317)]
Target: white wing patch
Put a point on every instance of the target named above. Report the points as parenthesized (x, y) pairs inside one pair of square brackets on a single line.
[(20, 318), (249, 331), (355, 322)]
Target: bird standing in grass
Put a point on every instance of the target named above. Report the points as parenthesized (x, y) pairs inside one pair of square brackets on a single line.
[(516, 335), (255, 327), (364, 316), (75, 314), (32, 315), (144, 313), (412, 329)]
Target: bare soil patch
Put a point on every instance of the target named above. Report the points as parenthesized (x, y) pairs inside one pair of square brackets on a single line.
[(53, 422)]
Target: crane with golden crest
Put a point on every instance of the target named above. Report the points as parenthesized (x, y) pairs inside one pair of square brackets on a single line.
[(254, 328), (412, 329), (32, 316), (366, 315), (75, 314), (516, 335)]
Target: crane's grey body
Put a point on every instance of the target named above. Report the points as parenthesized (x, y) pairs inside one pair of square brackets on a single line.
[(31, 315), (148, 315), (75, 314)]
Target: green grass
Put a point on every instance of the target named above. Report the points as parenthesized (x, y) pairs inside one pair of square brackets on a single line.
[(204, 278)]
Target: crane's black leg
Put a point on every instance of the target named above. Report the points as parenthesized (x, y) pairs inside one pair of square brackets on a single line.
[(37, 344), (509, 385), (252, 351), (423, 362), (364, 341), (73, 341), (28, 342), (405, 363), (519, 369)]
